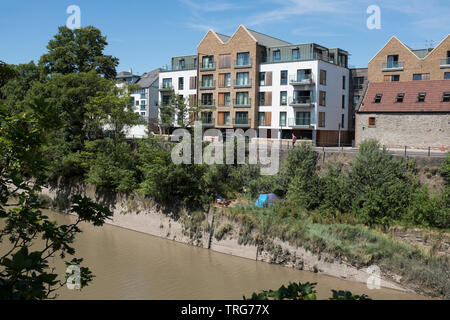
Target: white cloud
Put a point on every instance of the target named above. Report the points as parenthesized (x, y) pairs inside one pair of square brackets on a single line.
[(210, 6)]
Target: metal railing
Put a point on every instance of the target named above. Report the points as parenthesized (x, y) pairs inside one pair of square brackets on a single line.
[(242, 103), (243, 122), (207, 103), (243, 83), (300, 122), (392, 65), (242, 64), (188, 66), (208, 85), (300, 101), (207, 122), (165, 86), (302, 80), (210, 66)]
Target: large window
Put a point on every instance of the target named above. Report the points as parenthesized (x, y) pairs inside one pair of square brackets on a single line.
[(167, 83), (261, 118), (208, 81), (207, 117), (207, 99), (223, 118), (224, 99), (242, 98), (180, 83), (302, 118), (283, 77), (283, 119), (208, 62), (241, 117), (358, 83), (323, 77), (276, 55), (243, 59), (392, 61), (262, 78), (283, 98), (242, 79), (295, 54)]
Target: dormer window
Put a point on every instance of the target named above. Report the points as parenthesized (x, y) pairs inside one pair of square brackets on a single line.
[(400, 97), (446, 97), (421, 97), (377, 98)]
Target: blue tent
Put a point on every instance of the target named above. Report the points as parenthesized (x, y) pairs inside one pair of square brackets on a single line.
[(264, 200)]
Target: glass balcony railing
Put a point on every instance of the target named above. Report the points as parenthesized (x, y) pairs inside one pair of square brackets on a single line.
[(445, 63), (180, 67), (241, 122), (165, 86), (300, 101), (392, 65), (209, 66), (242, 63), (207, 103), (242, 103), (208, 85), (243, 83), (306, 79)]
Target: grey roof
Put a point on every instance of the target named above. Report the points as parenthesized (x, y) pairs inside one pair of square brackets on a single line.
[(268, 41), (223, 37), (149, 78), (422, 53), (123, 74)]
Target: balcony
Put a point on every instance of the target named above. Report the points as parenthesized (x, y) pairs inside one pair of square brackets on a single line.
[(208, 85), (208, 122), (392, 66), (300, 102), (211, 66), (245, 83), (445, 63), (165, 87), (242, 122), (207, 103), (304, 80), (242, 103), (241, 64), (301, 123)]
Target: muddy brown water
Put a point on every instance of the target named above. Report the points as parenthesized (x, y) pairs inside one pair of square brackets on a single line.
[(133, 265)]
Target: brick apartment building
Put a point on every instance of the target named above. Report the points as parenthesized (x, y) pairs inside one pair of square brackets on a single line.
[(407, 101)]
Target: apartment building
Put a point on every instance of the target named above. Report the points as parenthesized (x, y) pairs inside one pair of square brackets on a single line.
[(252, 80), (407, 102), (145, 99), (358, 86)]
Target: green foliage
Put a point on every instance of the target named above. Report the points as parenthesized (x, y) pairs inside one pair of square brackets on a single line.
[(347, 295), (334, 191), (222, 230), (78, 51)]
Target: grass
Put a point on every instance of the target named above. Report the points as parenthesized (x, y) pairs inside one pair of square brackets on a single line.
[(356, 244)]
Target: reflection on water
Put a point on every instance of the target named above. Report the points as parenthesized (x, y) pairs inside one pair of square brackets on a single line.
[(132, 265)]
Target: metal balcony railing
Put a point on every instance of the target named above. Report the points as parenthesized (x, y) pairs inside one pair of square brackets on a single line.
[(392, 66), (242, 103), (238, 64), (205, 85), (210, 66), (445, 63), (296, 80), (207, 121), (241, 122), (243, 83), (165, 86)]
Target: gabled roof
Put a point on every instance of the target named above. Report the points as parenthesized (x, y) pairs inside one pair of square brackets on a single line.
[(223, 37), (149, 78), (434, 90), (267, 41)]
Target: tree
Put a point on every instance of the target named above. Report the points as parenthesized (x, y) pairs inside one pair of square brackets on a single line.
[(24, 269), (167, 113), (78, 51), (6, 73)]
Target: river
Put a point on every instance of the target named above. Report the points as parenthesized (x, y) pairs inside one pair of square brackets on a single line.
[(133, 265)]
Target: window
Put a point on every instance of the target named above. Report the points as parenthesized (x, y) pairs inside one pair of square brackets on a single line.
[(302, 118), (400, 97), (355, 100), (303, 74), (283, 77), (343, 121), (143, 94), (206, 117), (282, 119), (446, 75), (392, 61), (283, 98), (377, 98), (224, 61), (262, 78), (241, 117), (295, 54), (180, 83), (358, 83), (276, 55), (322, 119), (417, 76), (343, 82), (323, 77), (165, 100), (242, 79), (167, 83), (242, 98), (395, 77), (343, 101), (142, 107), (243, 59), (224, 99), (421, 97), (207, 99), (192, 83), (446, 97), (208, 62), (224, 80), (262, 98), (182, 64), (137, 102), (322, 98), (261, 118), (208, 81), (223, 118), (372, 122)]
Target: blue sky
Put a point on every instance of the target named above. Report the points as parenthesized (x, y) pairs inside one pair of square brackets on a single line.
[(145, 34)]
